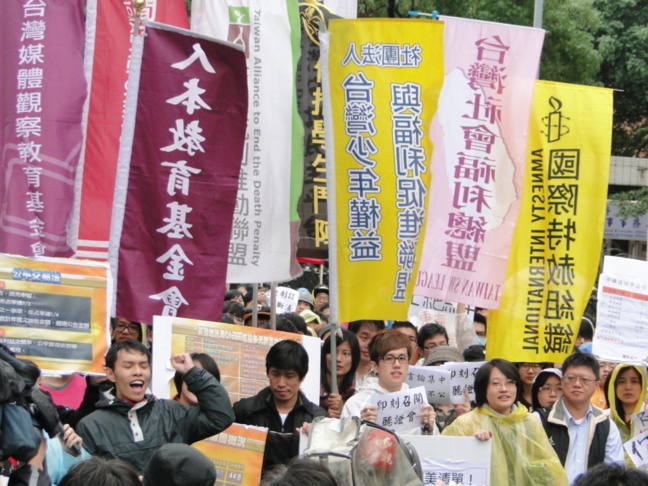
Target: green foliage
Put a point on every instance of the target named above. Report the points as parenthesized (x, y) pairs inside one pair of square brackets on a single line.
[(621, 41), (633, 203), (569, 53)]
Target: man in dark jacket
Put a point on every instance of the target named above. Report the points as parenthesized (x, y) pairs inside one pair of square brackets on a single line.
[(132, 425), (280, 407)]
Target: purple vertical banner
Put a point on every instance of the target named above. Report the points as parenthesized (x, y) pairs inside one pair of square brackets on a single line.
[(43, 90), (188, 133)]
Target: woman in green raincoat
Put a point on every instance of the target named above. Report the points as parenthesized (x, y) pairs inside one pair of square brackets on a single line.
[(521, 453), (625, 389)]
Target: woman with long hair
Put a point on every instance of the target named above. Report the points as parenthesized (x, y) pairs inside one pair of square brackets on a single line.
[(625, 389), (347, 360), (521, 452)]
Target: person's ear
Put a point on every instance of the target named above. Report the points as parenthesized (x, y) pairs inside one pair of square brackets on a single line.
[(374, 367), (110, 374)]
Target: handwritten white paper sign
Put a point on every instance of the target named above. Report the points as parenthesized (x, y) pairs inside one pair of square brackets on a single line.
[(434, 379), (462, 375), (287, 300), (398, 410)]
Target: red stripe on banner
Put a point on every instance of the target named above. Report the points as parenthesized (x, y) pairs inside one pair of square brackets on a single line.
[(112, 43)]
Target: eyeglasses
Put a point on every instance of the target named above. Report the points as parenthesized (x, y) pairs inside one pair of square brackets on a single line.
[(530, 366), (507, 383), (390, 359), (126, 328), (570, 380), (549, 389)]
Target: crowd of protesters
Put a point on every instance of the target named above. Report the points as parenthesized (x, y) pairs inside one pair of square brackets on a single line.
[(549, 423)]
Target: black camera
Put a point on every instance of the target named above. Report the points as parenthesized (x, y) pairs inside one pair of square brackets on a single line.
[(17, 387)]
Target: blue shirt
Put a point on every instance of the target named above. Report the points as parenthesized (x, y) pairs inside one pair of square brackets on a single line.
[(579, 442)]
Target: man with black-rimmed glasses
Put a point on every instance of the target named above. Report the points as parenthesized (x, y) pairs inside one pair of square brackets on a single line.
[(581, 434), (390, 353)]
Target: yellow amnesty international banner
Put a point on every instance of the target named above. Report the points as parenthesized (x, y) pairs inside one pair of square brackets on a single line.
[(557, 243), (54, 311), (237, 454), (384, 78)]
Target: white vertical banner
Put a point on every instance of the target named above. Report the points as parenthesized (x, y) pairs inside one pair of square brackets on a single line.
[(260, 244)]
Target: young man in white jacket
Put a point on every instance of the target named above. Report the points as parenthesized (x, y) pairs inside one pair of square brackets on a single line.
[(390, 354)]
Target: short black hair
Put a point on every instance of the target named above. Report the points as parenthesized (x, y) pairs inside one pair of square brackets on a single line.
[(234, 308), (288, 355), (482, 378), (582, 359), (101, 471), (347, 337), (586, 329), (299, 472), (128, 345), (480, 319), (284, 324), (354, 326), (298, 321), (232, 294), (612, 475), (404, 325), (429, 331)]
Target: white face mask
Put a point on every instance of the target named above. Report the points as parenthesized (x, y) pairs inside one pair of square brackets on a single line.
[(481, 340)]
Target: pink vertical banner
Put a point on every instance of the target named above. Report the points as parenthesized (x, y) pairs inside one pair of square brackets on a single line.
[(177, 178), (107, 58), (479, 135), (41, 102)]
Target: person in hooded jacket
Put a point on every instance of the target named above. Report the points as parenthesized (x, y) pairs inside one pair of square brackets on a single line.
[(390, 354), (625, 390), (521, 452)]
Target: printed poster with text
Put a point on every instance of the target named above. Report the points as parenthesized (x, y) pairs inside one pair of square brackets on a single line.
[(237, 454), (479, 135), (383, 78), (239, 351), (557, 242), (54, 312)]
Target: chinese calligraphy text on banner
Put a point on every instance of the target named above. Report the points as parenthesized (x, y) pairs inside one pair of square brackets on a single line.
[(557, 242), (383, 95), (108, 44), (54, 312), (43, 91), (313, 231), (239, 351), (177, 190), (479, 135)]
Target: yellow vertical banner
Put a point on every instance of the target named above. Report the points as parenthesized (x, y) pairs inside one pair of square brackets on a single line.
[(384, 79), (557, 242)]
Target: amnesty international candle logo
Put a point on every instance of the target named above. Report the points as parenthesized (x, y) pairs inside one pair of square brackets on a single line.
[(559, 231), (553, 122)]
